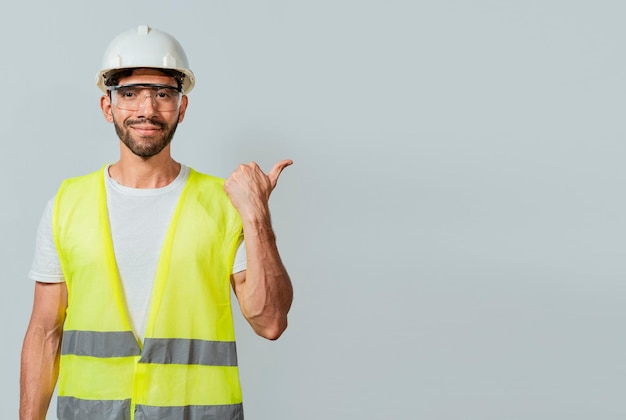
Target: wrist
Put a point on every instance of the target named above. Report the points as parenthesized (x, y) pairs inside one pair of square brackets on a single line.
[(256, 216), (259, 226)]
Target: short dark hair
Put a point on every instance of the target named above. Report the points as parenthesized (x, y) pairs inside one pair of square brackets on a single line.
[(113, 77)]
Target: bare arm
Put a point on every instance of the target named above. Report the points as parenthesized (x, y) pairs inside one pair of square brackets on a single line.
[(41, 350), (264, 290)]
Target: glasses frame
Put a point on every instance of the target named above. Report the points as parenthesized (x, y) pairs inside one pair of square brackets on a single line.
[(153, 86)]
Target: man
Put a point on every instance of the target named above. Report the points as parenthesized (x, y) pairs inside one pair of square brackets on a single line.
[(134, 263)]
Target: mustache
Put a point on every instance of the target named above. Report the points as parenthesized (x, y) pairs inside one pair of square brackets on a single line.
[(145, 121)]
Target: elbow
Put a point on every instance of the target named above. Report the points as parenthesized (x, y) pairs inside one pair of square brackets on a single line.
[(274, 331)]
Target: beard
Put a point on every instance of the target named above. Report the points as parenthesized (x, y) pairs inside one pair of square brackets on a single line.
[(145, 147)]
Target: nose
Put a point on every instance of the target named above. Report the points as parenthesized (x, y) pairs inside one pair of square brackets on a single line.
[(147, 107)]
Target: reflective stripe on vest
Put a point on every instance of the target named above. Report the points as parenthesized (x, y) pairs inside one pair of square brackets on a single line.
[(75, 408), (190, 412), (189, 352), (100, 344), (156, 350)]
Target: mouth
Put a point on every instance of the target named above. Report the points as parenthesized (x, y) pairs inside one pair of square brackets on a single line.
[(145, 129)]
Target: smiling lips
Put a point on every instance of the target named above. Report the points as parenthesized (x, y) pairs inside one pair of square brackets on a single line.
[(145, 127)]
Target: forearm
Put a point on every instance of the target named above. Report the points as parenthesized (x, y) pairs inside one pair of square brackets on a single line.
[(39, 372), (266, 294), (264, 290)]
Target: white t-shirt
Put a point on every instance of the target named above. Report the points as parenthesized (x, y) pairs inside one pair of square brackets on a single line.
[(139, 219)]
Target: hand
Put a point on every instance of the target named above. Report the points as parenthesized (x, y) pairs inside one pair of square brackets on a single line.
[(249, 188)]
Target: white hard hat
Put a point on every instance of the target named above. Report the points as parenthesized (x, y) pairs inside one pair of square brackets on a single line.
[(145, 47)]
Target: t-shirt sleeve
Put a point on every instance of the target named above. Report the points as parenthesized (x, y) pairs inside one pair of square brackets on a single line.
[(239, 264), (46, 267)]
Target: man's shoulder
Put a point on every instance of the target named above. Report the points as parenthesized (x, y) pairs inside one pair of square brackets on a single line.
[(208, 191), (205, 179), (209, 187), (89, 177), (82, 185)]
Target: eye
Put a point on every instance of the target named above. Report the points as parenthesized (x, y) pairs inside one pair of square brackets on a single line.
[(163, 94), (126, 93)]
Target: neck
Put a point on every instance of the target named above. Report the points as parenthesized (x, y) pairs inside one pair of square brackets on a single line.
[(138, 172)]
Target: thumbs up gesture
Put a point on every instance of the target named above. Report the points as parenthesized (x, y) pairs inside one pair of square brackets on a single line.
[(249, 188)]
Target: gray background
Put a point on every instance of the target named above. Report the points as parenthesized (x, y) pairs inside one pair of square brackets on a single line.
[(454, 221)]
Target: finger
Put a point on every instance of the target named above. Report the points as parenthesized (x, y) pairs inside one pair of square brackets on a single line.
[(274, 173)]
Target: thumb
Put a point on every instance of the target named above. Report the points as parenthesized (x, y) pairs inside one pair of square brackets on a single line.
[(274, 173)]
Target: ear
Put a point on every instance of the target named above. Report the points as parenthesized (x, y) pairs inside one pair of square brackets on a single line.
[(184, 101), (105, 105)]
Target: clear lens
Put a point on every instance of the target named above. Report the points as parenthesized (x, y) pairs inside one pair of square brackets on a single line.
[(132, 97)]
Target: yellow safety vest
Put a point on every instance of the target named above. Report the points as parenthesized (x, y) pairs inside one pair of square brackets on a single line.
[(186, 368)]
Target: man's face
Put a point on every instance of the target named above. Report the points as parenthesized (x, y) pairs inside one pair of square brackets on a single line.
[(149, 129)]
